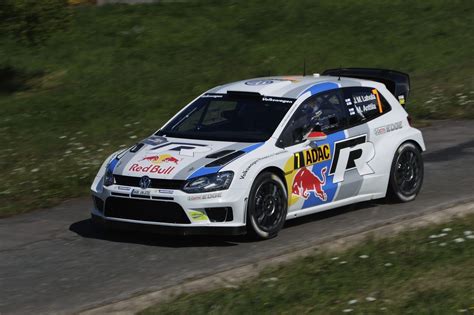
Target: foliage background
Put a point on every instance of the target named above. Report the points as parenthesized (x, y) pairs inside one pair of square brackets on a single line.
[(96, 79)]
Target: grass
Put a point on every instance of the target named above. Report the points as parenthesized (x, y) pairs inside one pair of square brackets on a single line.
[(119, 72), (418, 272)]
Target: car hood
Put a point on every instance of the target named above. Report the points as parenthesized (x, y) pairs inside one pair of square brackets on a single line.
[(176, 158)]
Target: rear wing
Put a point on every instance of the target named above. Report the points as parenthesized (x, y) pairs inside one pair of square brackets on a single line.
[(398, 83)]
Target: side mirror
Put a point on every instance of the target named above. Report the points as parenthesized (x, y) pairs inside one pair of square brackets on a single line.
[(316, 136)]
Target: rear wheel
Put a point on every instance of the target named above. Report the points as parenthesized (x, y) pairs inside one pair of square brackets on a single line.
[(267, 206), (406, 176)]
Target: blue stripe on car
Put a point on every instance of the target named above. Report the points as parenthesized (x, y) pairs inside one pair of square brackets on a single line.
[(112, 165), (320, 87)]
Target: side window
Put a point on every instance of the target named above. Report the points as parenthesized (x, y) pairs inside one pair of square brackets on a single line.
[(364, 104), (325, 110)]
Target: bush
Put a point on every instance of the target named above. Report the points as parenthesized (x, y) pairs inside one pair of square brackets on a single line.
[(33, 21)]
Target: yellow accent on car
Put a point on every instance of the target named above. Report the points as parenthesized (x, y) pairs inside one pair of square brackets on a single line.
[(197, 215)]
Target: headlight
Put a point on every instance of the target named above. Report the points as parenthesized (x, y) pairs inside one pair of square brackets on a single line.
[(109, 172), (213, 182), (108, 178)]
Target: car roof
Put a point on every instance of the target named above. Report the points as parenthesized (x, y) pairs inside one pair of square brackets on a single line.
[(286, 86)]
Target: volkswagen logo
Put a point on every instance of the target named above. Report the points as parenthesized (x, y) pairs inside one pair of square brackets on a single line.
[(145, 182)]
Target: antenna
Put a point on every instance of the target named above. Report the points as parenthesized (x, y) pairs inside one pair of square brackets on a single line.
[(340, 67), (304, 67)]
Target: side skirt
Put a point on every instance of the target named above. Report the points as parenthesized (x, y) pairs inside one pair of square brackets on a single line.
[(330, 205)]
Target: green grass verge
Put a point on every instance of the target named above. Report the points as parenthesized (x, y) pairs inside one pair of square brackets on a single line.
[(412, 273), (119, 72)]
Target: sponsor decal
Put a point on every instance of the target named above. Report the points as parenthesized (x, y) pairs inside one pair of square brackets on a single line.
[(379, 103), (278, 100), (364, 103), (366, 108), (244, 172), (312, 156), (152, 169), (401, 99), (363, 98), (306, 182), (212, 96), (388, 128), (205, 196), (197, 215), (162, 158), (155, 166), (307, 175), (259, 82), (165, 191), (353, 153)]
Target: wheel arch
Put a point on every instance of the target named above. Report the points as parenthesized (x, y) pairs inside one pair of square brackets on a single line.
[(417, 145), (413, 142), (278, 172)]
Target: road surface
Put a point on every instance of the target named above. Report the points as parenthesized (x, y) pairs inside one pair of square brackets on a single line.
[(51, 261)]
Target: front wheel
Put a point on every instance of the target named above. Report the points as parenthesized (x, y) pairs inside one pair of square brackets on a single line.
[(406, 175), (267, 206)]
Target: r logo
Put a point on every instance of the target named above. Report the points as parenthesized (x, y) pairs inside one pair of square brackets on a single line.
[(349, 154)]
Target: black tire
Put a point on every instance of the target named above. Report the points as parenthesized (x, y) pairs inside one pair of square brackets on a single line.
[(267, 206), (406, 175)]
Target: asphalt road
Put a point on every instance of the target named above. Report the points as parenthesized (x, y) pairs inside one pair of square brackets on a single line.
[(52, 262)]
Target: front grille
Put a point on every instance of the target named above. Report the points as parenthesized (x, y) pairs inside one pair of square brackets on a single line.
[(155, 183), (145, 210)]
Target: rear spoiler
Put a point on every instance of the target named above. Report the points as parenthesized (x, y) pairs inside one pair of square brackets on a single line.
[(398, 83)]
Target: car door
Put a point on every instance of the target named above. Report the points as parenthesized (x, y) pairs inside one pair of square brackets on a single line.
[(364, 105), (308, 170)]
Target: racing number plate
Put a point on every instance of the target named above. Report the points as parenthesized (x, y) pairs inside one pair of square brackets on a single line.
[(140, 193)]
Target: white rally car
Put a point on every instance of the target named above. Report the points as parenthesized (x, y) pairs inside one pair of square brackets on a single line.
[(246, 156)]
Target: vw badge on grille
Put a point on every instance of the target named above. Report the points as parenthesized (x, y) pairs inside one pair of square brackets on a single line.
[(145, 182)]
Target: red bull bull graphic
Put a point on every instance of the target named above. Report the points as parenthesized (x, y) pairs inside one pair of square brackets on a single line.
[(306, 182), (171, 159), (162, 158)]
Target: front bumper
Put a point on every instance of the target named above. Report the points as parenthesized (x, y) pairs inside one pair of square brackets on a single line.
[(170, 211)]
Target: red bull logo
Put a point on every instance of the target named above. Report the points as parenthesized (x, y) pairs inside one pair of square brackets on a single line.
[(151, 169), (306, 182), (155, 164)]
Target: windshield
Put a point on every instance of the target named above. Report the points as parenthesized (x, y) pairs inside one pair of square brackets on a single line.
[(239, 117)]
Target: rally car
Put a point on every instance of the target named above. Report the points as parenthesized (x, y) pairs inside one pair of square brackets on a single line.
[(245, 157)]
